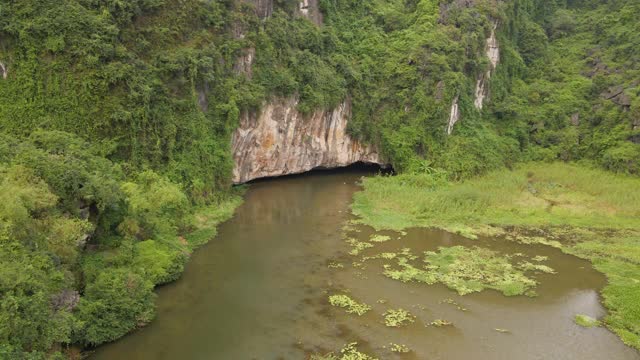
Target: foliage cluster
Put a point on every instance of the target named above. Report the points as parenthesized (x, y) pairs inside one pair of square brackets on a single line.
[(566, 87), (81, 246), (126, 76)]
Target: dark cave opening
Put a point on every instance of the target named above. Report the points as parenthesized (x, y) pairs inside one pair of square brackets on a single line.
[(357, 167)]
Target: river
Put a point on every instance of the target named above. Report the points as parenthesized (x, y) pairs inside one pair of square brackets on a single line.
[(259, 291)]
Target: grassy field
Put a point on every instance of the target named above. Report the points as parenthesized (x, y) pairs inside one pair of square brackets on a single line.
[(586, 212)]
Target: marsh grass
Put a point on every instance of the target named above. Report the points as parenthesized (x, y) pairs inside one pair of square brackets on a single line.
[(586, 321), (535, 194), (586, 212), (617, 255), (207, 218)]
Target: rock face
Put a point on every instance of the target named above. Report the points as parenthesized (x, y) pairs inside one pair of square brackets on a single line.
[(244, 63), (279, 141), (454, 115), (263, 8), (493, 53), (482, 84), (617, 95), (310, 10)]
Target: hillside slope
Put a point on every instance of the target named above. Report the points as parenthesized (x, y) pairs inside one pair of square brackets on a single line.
[(117, 119)]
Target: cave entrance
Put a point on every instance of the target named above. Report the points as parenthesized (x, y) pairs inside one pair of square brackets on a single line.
[(357, 167)]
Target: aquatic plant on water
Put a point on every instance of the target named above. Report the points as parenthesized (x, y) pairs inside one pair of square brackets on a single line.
[(398, 317), (379, 238), (348, 352), (586, 321), (351, 306), (399, 348), (467, 270)]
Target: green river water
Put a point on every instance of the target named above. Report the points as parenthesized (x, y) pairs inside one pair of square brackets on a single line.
[(259, 290)]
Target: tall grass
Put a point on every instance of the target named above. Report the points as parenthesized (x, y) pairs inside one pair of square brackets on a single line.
[(534, 194)]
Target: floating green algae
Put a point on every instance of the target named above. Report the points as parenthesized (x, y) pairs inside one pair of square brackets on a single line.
[(586, 321), (527, 266), (467, 270), (440, 323), (398, 317), (349, 352), (384, 255), (454, 303), (357, 246), (351, 306), (379, 238), (399, 348)]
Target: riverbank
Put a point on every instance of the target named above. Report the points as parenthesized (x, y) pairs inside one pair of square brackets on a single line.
[(127, 275), (585, 212)]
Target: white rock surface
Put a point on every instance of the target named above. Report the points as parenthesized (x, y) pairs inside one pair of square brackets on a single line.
[(454, 115), (493, 53), (279, 141)]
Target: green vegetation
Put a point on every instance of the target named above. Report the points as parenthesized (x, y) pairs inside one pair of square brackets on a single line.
[(616, 254), (349, 352), (357, 246), (82, 245), (533, 195), (377, 238), (440, 323), (586, 321), (467, 270), (116, 120), (586, 212), (398, 318), (399, 348), (351, 306)]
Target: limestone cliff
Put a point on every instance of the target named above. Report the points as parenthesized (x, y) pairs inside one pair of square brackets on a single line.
[(307, 8), (279, 140), (493, 53), (454, 115), (263, 8), (310, 10)]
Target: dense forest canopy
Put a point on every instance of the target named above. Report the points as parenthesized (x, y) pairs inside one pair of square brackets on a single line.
[(116, 120)]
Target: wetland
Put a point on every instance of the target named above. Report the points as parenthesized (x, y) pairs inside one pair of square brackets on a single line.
[(282, 281)]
